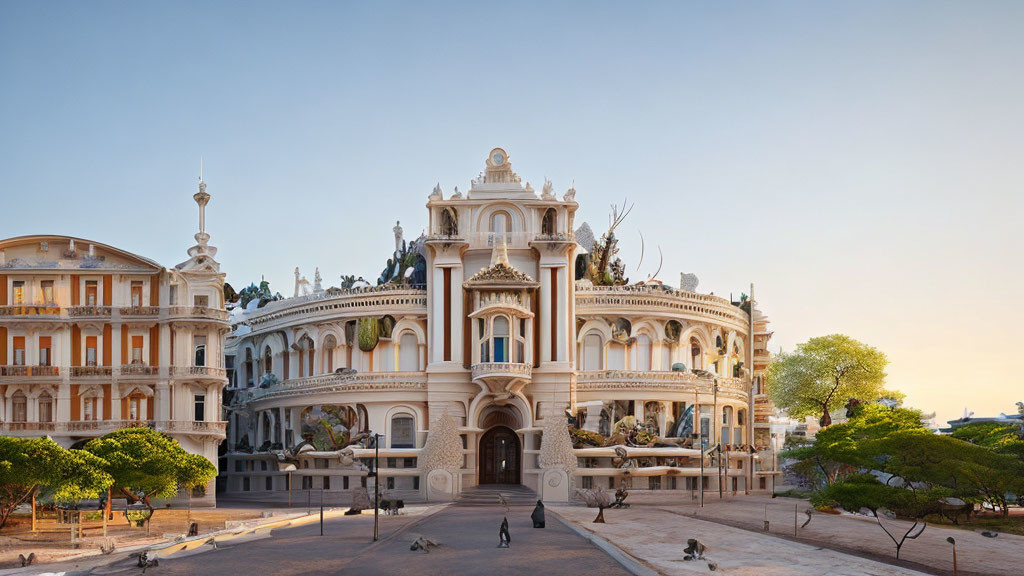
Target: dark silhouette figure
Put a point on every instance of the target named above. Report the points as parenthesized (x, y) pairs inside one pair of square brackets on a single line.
[(538, 515), (503, 534)]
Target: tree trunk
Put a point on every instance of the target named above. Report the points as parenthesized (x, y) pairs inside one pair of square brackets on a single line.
[(826, 418)]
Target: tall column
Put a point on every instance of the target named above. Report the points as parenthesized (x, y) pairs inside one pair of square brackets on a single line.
[(436, 317), (545, 315), (563, 314), (457, 314)]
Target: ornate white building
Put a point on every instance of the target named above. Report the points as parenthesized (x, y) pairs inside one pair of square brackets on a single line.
[(491, 322), (94, 338)]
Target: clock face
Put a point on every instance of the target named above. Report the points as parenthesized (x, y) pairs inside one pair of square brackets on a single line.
[(498, 158)]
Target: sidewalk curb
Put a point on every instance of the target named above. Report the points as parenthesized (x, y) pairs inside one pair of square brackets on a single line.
[(627, 561)]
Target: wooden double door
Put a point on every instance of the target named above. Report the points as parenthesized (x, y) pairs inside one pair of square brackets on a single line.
[(500, 457)]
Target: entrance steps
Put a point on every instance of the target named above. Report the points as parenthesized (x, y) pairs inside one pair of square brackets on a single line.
[(487, 495)]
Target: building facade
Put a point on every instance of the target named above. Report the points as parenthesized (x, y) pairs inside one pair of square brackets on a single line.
[(495, 321), (94, 338)]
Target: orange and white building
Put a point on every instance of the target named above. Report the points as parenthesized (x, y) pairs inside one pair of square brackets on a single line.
[(94, 338)]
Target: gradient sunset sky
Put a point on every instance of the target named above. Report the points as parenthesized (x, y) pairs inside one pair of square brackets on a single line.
[(860, 162)]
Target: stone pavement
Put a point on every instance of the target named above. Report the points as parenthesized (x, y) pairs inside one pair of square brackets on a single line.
[(468, 537), (658, 537)]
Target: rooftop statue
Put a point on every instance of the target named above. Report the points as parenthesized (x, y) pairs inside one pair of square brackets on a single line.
[(302, 286), (570, 194), (261, 296), (436, 194), (399, 242), (457, 194), (317, 282), (548, 192)]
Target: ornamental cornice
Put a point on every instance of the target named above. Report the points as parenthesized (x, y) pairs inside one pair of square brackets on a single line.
[(605, 300)]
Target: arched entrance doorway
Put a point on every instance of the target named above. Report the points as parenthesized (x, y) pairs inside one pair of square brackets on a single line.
[(499, 456)]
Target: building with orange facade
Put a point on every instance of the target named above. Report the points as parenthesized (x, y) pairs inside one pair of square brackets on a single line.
[(94, 338)]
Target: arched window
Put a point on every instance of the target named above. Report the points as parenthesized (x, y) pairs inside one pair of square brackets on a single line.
[(501, 224), (643, 353), (199, 344), (268, 361), (403, 431), (593, 352), (696, 355), (501, 335), (726, 424), (408, 353), (45, 407), (449, 222), (19, 404), (547, 224), (330, 343)]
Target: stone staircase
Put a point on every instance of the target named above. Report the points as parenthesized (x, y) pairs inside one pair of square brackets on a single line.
[(487, 495)]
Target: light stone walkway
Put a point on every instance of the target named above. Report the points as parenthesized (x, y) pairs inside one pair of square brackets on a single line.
[(657, 538)]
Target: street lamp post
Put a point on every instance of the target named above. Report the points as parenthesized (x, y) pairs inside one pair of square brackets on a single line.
[(376, 485), (953, 542)]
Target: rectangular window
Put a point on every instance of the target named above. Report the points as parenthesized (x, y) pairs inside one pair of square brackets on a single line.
[(18, 293), (200, 407), (201, 301), (344, 482), (327, 482), (137, 350), (90, 351), (391, 482), (19, 350), (45, 344), (89, 408), (91, 289), (269, 483), (47, 286), (133, 409), (136, 293), (245, 484), (307, 482)]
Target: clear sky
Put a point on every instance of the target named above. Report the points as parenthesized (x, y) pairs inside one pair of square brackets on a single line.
[(860, 162)]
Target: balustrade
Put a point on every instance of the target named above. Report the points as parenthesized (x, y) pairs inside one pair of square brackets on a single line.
[(29, 371)]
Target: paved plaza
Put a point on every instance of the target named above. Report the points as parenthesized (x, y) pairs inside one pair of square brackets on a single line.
[(468, 537)]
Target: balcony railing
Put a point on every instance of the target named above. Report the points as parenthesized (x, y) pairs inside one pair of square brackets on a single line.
[(86, 371), (199, 372), (89, 311), (139, 370), (515, 369), (29, 371), (649, 299), (638, 379), (140, 311), (199, 312), (409, 381), (30, 310), (556, 237), (100, 427), (28, 426)]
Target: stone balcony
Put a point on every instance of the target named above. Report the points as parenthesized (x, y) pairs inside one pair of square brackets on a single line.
[(199, 372), (198, 313), (647, 300), (140, 311), (29, 371), (84, 312), (607, 380), (337, 383), (498, 377), (138, 370), (90, 371), (101, 427), (33, 310)]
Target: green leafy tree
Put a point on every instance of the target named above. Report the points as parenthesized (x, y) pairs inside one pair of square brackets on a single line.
[(865, 493), (840, 450), (145, 464), (824, 373), (28, 465)]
